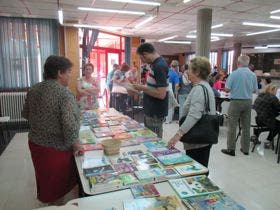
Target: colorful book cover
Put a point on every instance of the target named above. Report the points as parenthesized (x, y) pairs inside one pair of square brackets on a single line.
[(193, 186), (170, 173), (144, 166), (122, 168), (144, 158), (90, 147), (217, 201), (144, 191), (191, 169), (145, 132), (86, 136), (174, 158), (155, 203), (104, 180), (134, 152), (151, 145), (129, 142), (128, 179), (122, 136), (94, 162), (103, 134), (121, 159), (101, 130), (118, 129), (165, 152), (107, 169), (150, 174)]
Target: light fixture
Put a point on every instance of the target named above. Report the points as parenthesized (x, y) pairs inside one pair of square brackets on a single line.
[(273, 45), (111, 11), (274, 17), (221, 34), (275, 11), (260, 47), (138, 2), (186, 1), (191, 36), (217, 26), (167, 38), (60, 16), (177, 42), (216, 38), (144, 21), (261, 24), (263, 32), (112, 28)]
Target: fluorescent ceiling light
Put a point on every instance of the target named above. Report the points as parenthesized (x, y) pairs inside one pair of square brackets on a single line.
[(261, 24), (60, 16), (186, 1), (167, 38), (263, 32), (221, 34), (177, 42), (217, 26), (275, 11), (274, 17), (191, 36), (137, 2), (113, 28), (260, 47), (111, 11), (144, 21), (273, 45)]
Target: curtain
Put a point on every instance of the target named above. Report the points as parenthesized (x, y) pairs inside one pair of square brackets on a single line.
[(225, 60), (87, 47), (25, 45), (127, 49)]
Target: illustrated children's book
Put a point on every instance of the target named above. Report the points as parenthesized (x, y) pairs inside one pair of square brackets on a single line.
[(86, 136), (165, 152), (174, 158), (104, 181), (150, 174), (90, 147), (190, 169), (107, 169), (217, 201), (193, 186), (91, 162), (144, 191), (128, 179), (156, 203), (122, 168), (155, 145)]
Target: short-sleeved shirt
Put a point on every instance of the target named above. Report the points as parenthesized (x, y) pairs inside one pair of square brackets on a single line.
[(173, 78), (242, 83), (158, 77)]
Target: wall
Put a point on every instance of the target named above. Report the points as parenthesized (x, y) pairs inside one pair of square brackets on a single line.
[(134, 58)]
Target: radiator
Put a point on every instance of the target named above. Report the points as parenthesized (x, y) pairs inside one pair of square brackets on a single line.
[(11, 104)]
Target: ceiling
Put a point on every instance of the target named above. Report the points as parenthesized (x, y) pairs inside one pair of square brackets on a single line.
[(173, 17)]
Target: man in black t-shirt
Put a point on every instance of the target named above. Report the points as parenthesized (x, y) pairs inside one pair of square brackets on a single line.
[(155, 91)]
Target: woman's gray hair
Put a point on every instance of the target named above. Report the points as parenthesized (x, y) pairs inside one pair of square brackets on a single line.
[(244, 60)]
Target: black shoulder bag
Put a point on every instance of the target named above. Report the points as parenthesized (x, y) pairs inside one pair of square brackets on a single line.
[(206, 130)]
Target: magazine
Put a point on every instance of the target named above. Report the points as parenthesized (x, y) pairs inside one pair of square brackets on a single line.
[(144, 191), (193, 186), (156, 203), (217, 201)]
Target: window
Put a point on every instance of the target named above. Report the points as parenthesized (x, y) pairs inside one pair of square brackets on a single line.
[(213, 59), (230, 61)]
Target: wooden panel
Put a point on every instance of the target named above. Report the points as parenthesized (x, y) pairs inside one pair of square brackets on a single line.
[(72, 52), (134, 58)]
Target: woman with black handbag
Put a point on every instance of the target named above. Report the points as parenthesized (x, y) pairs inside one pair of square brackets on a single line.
[(198, 128)]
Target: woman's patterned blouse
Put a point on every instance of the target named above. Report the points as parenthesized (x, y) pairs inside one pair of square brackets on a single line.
[(53, 115)]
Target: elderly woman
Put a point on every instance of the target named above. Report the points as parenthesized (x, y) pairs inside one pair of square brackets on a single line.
[(194, 107), (267, 107), (88, 89), (53, 115)]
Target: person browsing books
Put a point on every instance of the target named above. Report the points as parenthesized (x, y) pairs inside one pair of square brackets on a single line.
[(194, 107), (155, 101), (53, 115)]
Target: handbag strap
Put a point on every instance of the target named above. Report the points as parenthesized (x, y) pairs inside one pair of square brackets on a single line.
[(206, 98)]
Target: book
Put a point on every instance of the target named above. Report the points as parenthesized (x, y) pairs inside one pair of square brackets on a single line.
[(170, 173), (193, 186), (149, 174), (155, 203), (144, 158), (104, 181), (145, 166), (144, 191), (86, 136), (121, 159), (90, 147), (122, 136), (165, 152), (94, 162), (191, 169), (217, 201), (128, 179), (174, 158), (122, 168), (99, 170), (145, 132), (151, 145), (134, 152)]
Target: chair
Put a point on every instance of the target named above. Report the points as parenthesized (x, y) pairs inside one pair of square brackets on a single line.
[(258, 128)]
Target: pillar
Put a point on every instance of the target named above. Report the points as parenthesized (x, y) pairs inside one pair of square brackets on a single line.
[(236, 54), (203, 38)]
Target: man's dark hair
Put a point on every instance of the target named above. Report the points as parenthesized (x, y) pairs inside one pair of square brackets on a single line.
[(55, 63), (145, 47)]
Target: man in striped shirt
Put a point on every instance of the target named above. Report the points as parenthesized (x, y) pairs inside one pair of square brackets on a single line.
[(155, 99)]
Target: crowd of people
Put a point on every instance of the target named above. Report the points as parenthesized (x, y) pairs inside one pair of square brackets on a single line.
[(54, 113)]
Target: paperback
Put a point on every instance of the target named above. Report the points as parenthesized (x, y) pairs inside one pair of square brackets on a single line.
[(193, 168), (217, 201), (174, 158), (122, 168), (149, 175), (151, 145), (104, 181), (165, 152), (170, 173), (128, 179), (144, 191), (107, 169), (94, 162), (86, 136), (156, 203), (193, 186), (90, 147)]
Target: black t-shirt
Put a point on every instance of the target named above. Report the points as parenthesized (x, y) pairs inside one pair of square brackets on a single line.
[(158, 77)]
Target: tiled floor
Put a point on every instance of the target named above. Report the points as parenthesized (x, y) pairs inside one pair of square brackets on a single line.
[(252, 180)]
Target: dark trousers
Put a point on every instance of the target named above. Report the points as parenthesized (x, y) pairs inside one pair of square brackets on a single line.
[(119, 102), (201, 155)]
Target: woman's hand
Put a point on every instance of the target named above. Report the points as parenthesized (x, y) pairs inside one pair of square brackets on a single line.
[(78, 150), (172, 142)]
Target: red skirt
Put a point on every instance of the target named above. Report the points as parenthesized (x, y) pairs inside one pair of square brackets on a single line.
[(55, 172)]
